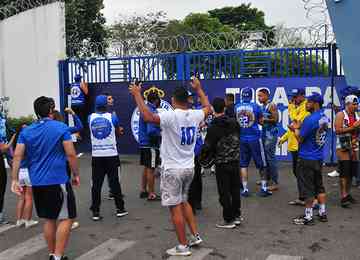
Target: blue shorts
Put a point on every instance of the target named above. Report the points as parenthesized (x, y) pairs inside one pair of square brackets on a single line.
[(252, 149)]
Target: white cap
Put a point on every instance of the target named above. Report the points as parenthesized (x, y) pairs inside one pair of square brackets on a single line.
[(351, 99)]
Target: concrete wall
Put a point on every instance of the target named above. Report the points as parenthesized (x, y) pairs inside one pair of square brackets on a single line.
[(31, 43)]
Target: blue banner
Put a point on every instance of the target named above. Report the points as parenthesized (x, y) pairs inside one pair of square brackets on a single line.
[(279, 88)]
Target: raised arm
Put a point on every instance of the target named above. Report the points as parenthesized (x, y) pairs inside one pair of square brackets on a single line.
[(148, 116), (196, 85)]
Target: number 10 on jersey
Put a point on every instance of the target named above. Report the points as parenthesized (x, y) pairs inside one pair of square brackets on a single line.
[(187, 135)]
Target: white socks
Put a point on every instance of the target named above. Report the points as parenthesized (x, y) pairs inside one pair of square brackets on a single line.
[(308, 213), (263, 185), (322, 209), (245, 188)]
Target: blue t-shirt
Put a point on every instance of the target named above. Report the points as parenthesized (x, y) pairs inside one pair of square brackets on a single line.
[(314, 132), (44, 151), (77, 94), (149, 134), (248, 116)]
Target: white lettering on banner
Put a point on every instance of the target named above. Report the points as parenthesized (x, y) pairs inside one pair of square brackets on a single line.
[(280, 97), (310, 90), (327, 97), (233, 91)]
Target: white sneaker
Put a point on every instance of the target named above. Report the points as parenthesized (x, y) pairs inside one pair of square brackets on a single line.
[(238, 220), (195, 240), (30, 223), (75, 225), (79, 155), (179, 250), (20, 223), (333, 174)]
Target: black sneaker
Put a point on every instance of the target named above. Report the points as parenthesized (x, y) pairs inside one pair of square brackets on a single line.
[(144, 195), (323, 218), (226, 225), (121, 213), (345, 202), (62, 258), (96, 216), (352, 200), (303, 221), (111, 196)]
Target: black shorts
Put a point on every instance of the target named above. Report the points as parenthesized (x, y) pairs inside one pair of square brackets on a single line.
[(348, 169), (309, 173), (150, 157), (56, 202)]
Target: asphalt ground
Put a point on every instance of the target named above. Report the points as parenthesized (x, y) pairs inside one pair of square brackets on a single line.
[(146, 233)]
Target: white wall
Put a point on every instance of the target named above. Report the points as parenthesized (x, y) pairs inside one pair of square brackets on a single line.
[(31, 43)]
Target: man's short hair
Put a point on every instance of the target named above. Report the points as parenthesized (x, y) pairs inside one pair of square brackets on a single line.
[(181, 95), (265, 91), (152, 97), (218, 105), (43, 106), (230, 97)]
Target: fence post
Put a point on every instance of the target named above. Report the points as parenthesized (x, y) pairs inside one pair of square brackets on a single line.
[(187, 66), (180, 58), (63, 83), (333, 71)]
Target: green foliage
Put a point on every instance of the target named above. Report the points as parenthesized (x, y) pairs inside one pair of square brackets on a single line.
[(14, 123)]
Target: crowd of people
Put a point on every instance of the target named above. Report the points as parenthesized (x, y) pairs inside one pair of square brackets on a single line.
[(45, 168)]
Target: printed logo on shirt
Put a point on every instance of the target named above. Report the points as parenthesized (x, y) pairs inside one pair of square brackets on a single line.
[(75, 92), (135, 118), (321, 133), (101, 128), (245, 117)]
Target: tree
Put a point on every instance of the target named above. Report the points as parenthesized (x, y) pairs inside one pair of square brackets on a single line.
[(85, 28)]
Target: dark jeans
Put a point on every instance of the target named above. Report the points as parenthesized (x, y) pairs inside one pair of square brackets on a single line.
[(3, 182), (195, 192), (295, 156), (102, 166), (228, 182)]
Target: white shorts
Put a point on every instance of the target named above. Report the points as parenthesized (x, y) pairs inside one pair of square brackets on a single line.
[(175, 185), (24, 178)]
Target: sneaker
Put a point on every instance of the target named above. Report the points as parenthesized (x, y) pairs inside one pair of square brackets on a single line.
[(51, 257), (30, 223), (238, 220), (352, 200), (79, 155), (245, 193), (264, 193), (121, 213), (195, 240), (75, 225), (96, 216), (144, 195), (303, 221), (323, 218), (333, 174), (226, 225), (345, 202), (110, 196), (179, 250), (20, 223)]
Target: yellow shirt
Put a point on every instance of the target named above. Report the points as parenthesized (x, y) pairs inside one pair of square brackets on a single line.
[(298, 112), (293, 144)]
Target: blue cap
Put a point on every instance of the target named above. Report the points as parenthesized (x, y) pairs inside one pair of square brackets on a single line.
[(297, 92), (77, 77), (246, 94), (101, 101), (315, 97)]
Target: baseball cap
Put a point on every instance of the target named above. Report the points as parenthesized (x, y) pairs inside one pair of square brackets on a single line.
[(297, 92), (351, 99), (246, 94), (101, 101), (315, 97)]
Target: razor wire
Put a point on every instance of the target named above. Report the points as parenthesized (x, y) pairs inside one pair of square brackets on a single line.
[(279, 37), (19, 6)]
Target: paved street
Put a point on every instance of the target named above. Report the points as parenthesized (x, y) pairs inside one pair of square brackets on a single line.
[(146, 232)]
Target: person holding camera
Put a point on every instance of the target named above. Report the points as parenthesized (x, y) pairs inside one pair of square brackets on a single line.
[(347, 125)]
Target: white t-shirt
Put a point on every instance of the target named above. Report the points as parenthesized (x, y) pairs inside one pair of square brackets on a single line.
[(179, 131)]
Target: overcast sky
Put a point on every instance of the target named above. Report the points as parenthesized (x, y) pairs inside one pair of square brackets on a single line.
[(289, 12)]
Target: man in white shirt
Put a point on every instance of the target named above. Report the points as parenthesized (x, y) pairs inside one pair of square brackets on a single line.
[(179, 129)]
